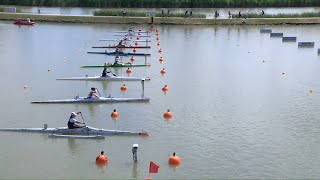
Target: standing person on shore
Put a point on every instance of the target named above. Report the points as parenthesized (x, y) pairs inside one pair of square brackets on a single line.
[(190, 13), (168, 12), (239, 14), (262, 12), (186, 13), (162, 13), (229, 14), (124, 13)]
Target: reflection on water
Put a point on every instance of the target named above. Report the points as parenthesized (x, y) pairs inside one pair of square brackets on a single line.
[(73, 145), (135, 172)]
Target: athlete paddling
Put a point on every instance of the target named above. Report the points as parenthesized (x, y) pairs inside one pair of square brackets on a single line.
[(73, 123)]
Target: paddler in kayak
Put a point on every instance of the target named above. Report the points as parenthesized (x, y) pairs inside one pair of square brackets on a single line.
[(73, 123), (117, 60), (104, 72), (93, 93)]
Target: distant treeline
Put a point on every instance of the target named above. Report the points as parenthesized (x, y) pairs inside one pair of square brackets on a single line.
[(163, 3)]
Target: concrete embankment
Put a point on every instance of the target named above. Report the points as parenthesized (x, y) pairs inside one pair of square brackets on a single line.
[(157, 20)]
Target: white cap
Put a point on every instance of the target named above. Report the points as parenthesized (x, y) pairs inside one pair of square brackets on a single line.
[(135, 145), (74, 113)]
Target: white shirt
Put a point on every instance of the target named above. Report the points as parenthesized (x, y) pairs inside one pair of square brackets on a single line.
[(73, 120)]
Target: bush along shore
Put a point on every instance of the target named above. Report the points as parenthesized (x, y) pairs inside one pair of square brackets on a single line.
[(130, 13), (157, 20), (164, 3)]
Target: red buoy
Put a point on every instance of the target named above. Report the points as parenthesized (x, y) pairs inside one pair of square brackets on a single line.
[(101, 159), (163, 71), (167, 115), (114, 114), (174, 160), (132, 59), (165, 88), (128, 71), (123, 87)]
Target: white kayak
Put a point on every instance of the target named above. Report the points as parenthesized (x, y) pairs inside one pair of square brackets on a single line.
[(132, 35), (132, 31), (84, 131), (105, 78), (132, 40), (95, 100)]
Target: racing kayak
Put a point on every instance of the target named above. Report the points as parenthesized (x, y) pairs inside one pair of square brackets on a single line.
[(121, 53), (132, 35), (85, 131), (133, 40), (139, 31), (117, 65), (95, 100), (105, 78), (114, 46)]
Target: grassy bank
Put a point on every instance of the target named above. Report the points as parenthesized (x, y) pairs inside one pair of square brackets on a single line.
[(302, 15), (118, 12), (164, 3), (158, 20)]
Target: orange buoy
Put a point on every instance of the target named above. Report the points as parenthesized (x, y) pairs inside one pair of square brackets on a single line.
[(139, 34), (149, 178), (158, 43), (115, 114), (134, 50), (165, 88), (132, 59), (157, 38), (129, 71), (157, 34), (136, 43), (139, 29), (160, 51), (124, 87), (138, 38), (101, 159), (157, 30), (167, 115), (161, 59), (163, 71), (174, 160)]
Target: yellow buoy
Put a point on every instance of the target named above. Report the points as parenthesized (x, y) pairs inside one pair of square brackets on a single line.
[(25, 87), (311, 91)]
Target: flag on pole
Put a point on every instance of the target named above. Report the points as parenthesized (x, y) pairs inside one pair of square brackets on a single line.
[(153, 167)]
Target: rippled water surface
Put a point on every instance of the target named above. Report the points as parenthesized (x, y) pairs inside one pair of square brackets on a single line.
[(241, 102)]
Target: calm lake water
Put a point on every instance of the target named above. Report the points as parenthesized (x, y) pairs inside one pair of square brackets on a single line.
[(209, 12), (241, 102)]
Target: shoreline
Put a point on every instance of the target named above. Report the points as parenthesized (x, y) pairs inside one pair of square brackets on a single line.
[(158, 20)]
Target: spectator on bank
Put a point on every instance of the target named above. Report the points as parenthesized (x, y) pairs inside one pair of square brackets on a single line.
[(216, 14), (162, 12), (190, 13), (168, 12), (186, 13), (229, 15), (262, 12), (239, 14), (124, 13)]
